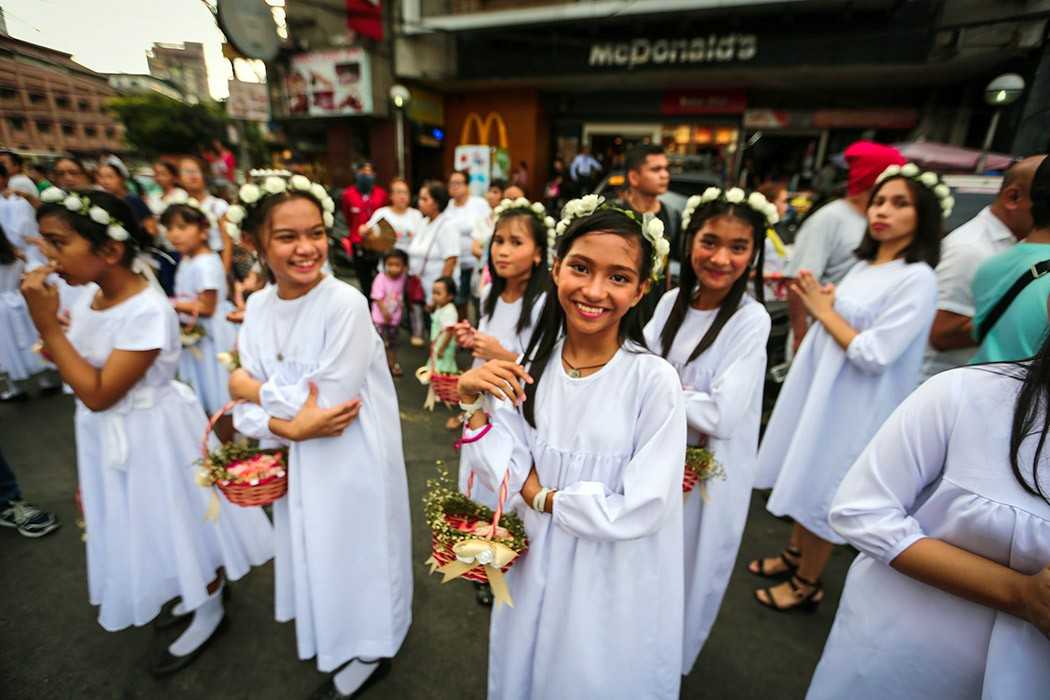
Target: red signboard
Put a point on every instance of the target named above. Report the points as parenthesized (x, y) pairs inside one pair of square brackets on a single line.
[(689, 102)]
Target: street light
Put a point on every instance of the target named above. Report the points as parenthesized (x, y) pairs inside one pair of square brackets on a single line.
[(1002, 91), (400, 96)]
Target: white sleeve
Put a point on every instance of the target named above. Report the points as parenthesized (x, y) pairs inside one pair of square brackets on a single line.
[(502, 446), (248, 418), (813, 245), (955, 273), (873, 506), (652, 480), (345, 358), (376, 216), (908, 315), (210, 274), (741, 370), (656, 324), (148, 328)]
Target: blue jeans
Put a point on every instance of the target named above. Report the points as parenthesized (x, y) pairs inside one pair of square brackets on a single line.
[(463, 292), (9, 490)]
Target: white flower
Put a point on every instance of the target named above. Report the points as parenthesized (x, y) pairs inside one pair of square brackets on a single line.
[(735, 195), (506, 203), (929, 179), (329, 220), (710, 195), (549, 222), (757, 201), (72, 203), (941, 191), (485, 557), (538, 208), (203, 478), (52, 195), (233, 231), (225, 359), (693, 202), (249, 193), (655, 229), (562, 225), (947, 203), (116, 232), (521, 202), (591, 202), (301, 183), (909, 170), (891, 171), (662, 247), (318, 191), (98, 215), (235, 214), (274, 185), (771, 213), (328, 205), (178, 197)]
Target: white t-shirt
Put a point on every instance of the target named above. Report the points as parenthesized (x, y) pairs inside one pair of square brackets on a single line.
[(22, 183), (962, 252), (428, 251), (463, 218), (826, 242), (407, 224)]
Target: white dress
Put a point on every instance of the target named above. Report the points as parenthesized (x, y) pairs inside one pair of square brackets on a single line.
[(17, 333), (198, 365), (148, 539), (723, 400), (939, 468), (598, 596), (428, 251), (343, 567), (834, 400), (503, 326)]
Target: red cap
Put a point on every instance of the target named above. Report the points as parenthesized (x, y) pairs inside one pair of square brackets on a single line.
[(867, 160)]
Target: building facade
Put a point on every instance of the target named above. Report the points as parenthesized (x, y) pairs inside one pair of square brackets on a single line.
[(142, 84), (50, 104), (184, 66)]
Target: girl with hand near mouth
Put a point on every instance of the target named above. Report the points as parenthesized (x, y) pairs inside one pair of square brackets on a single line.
[(596, 447), (714, 334), (314, 377), (861, 359), (138, 430)]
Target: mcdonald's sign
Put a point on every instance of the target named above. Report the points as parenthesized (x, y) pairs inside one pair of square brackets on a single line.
[(484, 161), (493, 119)]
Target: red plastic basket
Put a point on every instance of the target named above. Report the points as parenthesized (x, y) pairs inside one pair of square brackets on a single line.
[(247, 495), (446, 387), (689, 477)]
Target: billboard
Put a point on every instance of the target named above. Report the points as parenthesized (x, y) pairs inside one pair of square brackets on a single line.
[(332, 83), (248, 101)]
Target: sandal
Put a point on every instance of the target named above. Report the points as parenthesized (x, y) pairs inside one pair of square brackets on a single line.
[(804, 601), (758, 566)]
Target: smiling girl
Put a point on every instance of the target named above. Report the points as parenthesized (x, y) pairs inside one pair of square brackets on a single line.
[(714, 333), (315, 376), (859, 362), (597, 450), (138, 431)]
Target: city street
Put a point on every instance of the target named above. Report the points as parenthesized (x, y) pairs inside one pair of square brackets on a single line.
[(51, 645)]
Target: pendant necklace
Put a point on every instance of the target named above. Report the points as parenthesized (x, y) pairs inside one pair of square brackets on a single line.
[(576, 372), (276, 343)]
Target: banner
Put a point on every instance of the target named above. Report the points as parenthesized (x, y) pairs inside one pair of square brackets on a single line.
[(330, 83), (248, 101)]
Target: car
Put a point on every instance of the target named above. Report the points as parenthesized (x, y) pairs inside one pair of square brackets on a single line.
[(972, 193)]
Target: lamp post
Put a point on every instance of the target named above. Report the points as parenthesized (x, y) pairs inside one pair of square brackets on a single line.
[(1002, 91), (400, 96)]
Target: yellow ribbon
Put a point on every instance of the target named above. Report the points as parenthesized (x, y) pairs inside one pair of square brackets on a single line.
[(493, 556), (213, 506), (423, 375)]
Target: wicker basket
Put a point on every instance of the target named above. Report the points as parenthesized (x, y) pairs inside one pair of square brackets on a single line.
[(700, 465), (446, 386), (247, 495)]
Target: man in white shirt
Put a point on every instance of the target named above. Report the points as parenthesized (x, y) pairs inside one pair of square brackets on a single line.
[(995, 228), (464, 210), (825, 243), (583, 169)]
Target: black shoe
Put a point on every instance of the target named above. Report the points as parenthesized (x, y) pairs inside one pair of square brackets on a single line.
[(167, 663), (29, 520), (328, 691), (167, 618)]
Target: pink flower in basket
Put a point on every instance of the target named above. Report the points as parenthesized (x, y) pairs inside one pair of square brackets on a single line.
[(257, 468)]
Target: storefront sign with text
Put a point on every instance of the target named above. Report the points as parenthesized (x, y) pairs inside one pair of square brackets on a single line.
[(644, 52)]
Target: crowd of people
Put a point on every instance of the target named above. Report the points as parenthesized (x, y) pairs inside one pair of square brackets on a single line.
[(608, 337)]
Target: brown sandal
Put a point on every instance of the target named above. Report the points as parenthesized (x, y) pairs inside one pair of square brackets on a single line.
[(757, 567), (804, 602)]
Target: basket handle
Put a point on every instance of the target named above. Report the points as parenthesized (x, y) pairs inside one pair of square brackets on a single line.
[(212, 422), (503, 492)]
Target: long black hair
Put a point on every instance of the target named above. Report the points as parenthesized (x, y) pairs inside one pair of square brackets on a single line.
[(539, 280), (689, 284), (551, 325), (1032, 414), (925, 245), (137, 241), (7, 250)]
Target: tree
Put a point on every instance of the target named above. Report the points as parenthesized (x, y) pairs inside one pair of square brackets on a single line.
[(154, 124)]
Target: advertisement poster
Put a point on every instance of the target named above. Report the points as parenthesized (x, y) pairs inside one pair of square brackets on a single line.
[(476, 161), (248, 101), (330, 83)]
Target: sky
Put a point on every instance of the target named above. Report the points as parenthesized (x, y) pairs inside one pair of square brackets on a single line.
[(112, 36)]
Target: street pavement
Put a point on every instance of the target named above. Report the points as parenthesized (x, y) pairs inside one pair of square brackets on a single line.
[(52, 647)]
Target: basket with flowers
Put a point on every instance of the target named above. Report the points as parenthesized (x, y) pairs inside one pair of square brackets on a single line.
[(246, 474)]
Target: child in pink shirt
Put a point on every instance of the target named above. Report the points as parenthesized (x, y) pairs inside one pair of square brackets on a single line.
[(388, 294)]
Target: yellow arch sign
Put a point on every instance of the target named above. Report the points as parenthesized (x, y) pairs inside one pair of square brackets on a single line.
[(483, 129)]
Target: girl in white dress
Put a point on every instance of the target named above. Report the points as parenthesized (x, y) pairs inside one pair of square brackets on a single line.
[(138, 431), (201, 298), (857, 364), (315, 375), (17, 337), (597, 450), (950, 596), (714, 334)]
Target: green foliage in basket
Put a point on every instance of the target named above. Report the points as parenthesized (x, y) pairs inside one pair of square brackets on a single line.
[(702, 462), (443, 498)]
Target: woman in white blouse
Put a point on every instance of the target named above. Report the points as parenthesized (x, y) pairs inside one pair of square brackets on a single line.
[(433, 252), (950, 596), (404, 219)]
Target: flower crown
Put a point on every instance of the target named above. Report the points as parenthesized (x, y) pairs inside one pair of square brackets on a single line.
[(79, 204), (928, 179), (181, 198), (755, 201), (534, 209), (652, 227), (274, 182)]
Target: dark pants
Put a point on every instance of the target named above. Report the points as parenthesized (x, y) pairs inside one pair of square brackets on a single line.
[(365, 265), (9, 490)]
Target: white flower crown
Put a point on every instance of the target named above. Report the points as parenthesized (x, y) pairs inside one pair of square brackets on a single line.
[(275, 182), (755, 201), (180, 197), (930, 180), (79, 204), (537, 211), (652, 227)]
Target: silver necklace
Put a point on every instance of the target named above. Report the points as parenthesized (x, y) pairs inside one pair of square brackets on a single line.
[(276, 342)]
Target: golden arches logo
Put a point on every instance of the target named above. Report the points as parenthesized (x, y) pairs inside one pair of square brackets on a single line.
[(483, 128)]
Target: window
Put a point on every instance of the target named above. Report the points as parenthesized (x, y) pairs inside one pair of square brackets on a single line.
[(62, 101), (43, 126), (17, 123), (82, 105), (8, 93), (90, 131), (36, 97), (68, 130), (111, 132)]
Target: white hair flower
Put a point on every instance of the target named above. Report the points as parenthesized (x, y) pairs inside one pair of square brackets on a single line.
[(549, 222), (301, 183), (249, 193), (233, 230), (73, 203), (52, 195), (942, 191), (929, 179), (327, 205), (116, 232), (539, 208), (521, 202), (891, 171), (947, 203), (178, 197), (329, 220), (757, 201), (663, 247), (319, 192), (235, 214), (735, 195), (561, 227), (770, 210), (589, 203), (909, 170), (655, 228), (98, 215), (710, 195), (274, 185)]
